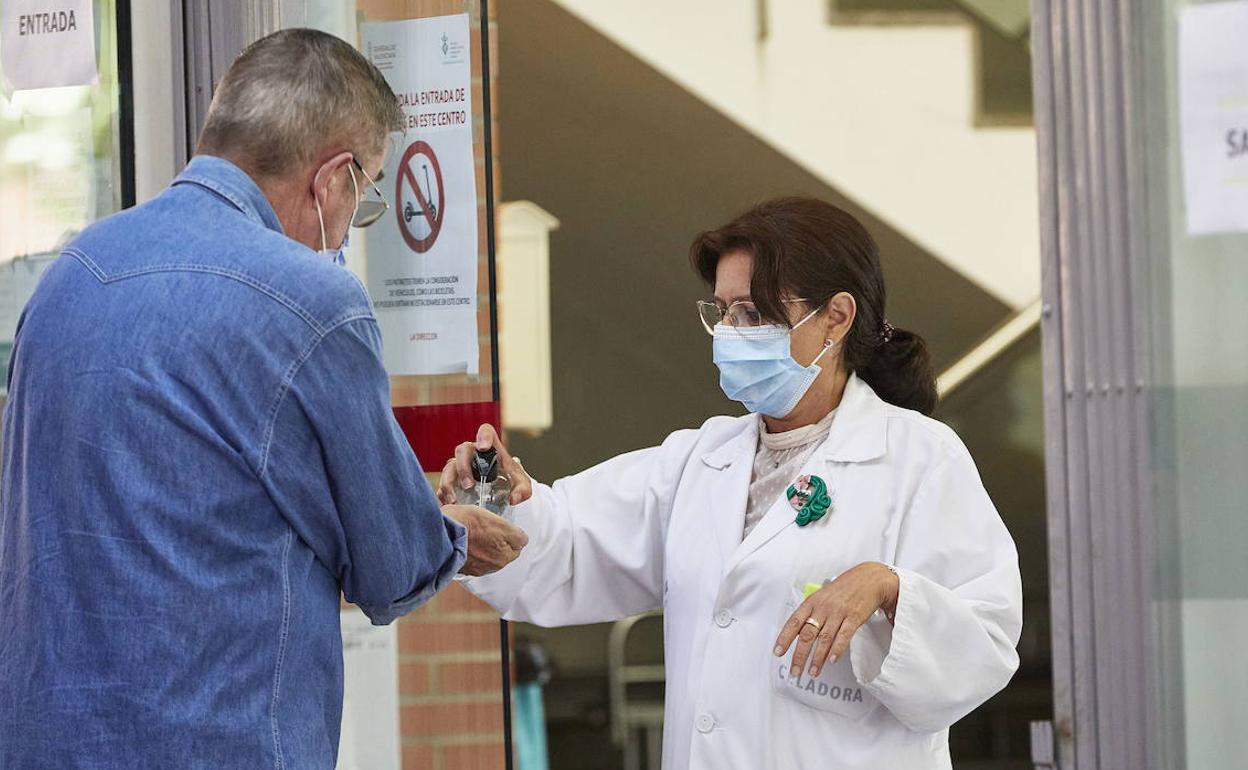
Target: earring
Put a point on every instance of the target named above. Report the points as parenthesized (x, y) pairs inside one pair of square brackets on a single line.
[(827, 345)]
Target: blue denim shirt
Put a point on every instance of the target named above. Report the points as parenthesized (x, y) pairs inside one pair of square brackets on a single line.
[(198, 457)]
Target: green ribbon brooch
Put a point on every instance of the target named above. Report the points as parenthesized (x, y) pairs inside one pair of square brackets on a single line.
[(810, 498)]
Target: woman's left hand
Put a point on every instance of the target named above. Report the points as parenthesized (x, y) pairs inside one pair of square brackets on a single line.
[(827, 620)]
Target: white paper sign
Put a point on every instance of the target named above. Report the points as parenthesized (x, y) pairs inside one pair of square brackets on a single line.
[(422, 257), (1213, 101), (370, 701), (47, 43)]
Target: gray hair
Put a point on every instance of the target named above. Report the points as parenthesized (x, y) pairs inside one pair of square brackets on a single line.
[(291, 94)]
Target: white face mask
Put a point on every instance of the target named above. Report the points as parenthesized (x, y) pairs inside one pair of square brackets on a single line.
[(338, 255)]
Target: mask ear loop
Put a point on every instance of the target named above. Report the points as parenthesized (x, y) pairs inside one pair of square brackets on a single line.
[(320, 218), (827, 344)]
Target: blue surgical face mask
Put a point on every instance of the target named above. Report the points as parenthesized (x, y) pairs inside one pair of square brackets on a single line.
[(757, 369), (338, 256)]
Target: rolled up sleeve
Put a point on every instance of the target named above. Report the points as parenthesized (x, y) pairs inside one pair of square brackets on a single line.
[(959, 608), (345, 478)]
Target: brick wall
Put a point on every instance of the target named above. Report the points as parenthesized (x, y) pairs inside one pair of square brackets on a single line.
[(450, 685)]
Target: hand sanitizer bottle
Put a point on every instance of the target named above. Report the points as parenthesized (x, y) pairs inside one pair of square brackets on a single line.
[(491, 490)]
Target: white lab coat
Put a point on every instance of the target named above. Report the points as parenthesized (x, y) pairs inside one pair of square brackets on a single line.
[(662, 527)]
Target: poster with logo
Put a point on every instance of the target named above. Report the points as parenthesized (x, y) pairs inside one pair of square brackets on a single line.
[(45, 44), (1213, 102), (422, 256)]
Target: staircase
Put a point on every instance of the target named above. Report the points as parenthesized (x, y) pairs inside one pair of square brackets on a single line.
[(1002, 45), (918, 111)]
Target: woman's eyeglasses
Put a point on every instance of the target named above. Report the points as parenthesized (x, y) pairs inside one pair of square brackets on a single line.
[(741, 314)]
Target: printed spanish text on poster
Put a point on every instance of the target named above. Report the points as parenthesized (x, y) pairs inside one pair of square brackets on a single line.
[(422, 257)]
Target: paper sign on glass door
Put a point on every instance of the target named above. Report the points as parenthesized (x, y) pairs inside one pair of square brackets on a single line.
[(422, 257), (47, 44), (1213, 100)]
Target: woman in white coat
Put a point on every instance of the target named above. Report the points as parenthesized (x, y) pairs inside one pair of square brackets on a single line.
[(837, 587)]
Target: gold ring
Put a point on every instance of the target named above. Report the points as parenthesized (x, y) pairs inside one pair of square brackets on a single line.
[(815, 623)]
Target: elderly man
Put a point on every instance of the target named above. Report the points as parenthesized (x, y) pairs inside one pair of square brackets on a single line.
[(199, 454)]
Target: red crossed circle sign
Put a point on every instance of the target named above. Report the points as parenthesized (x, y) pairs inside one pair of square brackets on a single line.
[(419, 196)]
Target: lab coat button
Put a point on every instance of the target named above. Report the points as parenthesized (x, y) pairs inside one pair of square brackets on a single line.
[(706, 723), (723, 618)]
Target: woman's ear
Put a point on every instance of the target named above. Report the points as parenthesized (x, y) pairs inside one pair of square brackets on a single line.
[(841, 311)]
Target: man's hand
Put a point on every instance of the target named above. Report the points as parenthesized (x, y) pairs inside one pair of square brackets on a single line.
[(493, 543)]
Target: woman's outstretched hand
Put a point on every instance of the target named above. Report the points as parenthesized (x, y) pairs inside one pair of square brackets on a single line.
[(458, 470)]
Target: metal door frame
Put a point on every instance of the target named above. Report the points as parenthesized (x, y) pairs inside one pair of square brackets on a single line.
[(213, 32), (1092, 115), (156, 71)]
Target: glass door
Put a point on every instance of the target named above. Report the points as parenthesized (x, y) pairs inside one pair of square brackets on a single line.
[(1196, 96), (66, 160)]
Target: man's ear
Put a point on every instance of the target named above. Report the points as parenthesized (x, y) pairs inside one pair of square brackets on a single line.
[(325, 174)]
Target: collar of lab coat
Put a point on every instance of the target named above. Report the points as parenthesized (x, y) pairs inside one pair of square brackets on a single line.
[(858, 433)]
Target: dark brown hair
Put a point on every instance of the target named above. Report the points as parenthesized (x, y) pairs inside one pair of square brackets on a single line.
[(806, 248)]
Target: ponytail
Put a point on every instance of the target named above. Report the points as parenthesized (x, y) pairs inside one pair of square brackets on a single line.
[(899, 370)]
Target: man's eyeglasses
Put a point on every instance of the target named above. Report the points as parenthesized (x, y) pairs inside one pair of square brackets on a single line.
[(372, 204)]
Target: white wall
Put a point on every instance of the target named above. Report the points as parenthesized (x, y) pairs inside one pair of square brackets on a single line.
[(884, 114)]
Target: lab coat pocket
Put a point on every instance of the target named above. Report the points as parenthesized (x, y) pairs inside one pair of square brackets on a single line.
[(835, 690)]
